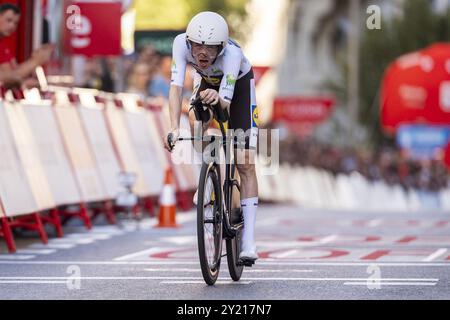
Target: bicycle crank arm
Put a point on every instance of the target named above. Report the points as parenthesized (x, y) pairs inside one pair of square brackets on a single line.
[(229, 231)]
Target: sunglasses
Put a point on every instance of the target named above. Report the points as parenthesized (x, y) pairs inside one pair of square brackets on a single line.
[(208, 48)]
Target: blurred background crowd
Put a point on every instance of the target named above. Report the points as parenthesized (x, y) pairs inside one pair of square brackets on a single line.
[(385, 164)]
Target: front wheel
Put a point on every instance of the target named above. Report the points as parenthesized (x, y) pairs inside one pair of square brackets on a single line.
[(234, 244), (209, 222)]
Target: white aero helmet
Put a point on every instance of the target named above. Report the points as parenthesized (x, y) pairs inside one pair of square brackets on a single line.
[(208, 28)]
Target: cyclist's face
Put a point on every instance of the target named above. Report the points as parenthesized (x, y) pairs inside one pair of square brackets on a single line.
[(204, 54)]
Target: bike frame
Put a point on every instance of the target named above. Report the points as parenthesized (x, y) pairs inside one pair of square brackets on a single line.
[(229, 181)]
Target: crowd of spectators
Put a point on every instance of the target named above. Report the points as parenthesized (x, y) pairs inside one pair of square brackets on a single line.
[(386, 164), (146, 73)]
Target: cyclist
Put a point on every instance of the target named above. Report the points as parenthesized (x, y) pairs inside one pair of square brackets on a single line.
[(223, 76)]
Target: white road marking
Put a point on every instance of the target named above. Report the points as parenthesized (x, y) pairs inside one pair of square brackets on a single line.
[(392, 284), (260, 262), (148, 252), (35, 251), (32, 282), (295, 243), (180, 240), (246, 271), (286, 254), (74, 241), (435, 255), (235, 283), (172, 270), (107, 230), (277, 270), (94, 236), (114, 263), (139, 253), (16, 257), (329, 239), (52, 246), (244, 279)]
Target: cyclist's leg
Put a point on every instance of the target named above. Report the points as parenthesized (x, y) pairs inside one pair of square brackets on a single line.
[(197, 128), (243, 119)]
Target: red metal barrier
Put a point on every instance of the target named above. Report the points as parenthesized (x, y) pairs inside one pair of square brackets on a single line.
[(81, 213), (5, 232), (106, 208), (54, 219), (32, 222)]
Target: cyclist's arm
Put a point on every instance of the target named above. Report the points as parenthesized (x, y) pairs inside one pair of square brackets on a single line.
[(179, 51), (232, 65), (224, 104), (175, 99)]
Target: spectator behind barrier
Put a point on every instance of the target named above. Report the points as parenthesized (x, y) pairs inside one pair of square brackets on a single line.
[(138, 79), (160, 84), (147, 54), (386, 164), (97, 75), (13, 74)]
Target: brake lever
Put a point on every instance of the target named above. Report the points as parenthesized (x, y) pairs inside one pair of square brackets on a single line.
[(197, 101), (170, 141)]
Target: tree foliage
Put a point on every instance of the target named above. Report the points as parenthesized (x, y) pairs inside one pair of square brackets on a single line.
[(175, 14), (418, 27)]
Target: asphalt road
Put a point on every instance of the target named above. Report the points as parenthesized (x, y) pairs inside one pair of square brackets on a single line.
[(304, 254)]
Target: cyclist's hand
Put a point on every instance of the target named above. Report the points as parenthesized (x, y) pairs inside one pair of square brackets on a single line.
[(170, 139), (209, 96)]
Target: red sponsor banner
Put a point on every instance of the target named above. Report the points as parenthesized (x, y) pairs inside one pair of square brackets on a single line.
[(258, 72), (312, 110), (416, 89), (447, 156), (92, 28)]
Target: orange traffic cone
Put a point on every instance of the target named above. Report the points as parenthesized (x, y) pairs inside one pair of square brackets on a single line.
[(167, 203)]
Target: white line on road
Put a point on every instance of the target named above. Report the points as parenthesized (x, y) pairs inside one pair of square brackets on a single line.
[(435, 255), (73, 241), (203, 282), (113, 263), (391, 283), (95, 236), (180, 240), (246, 271), (286, 254), (32, 282), (16, 257), (35, 251), (329, 239), (146, 252), (261, 262), (52, 246), (199, 278)]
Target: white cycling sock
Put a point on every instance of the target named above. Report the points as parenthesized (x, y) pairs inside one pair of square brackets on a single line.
[(249, 207)]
